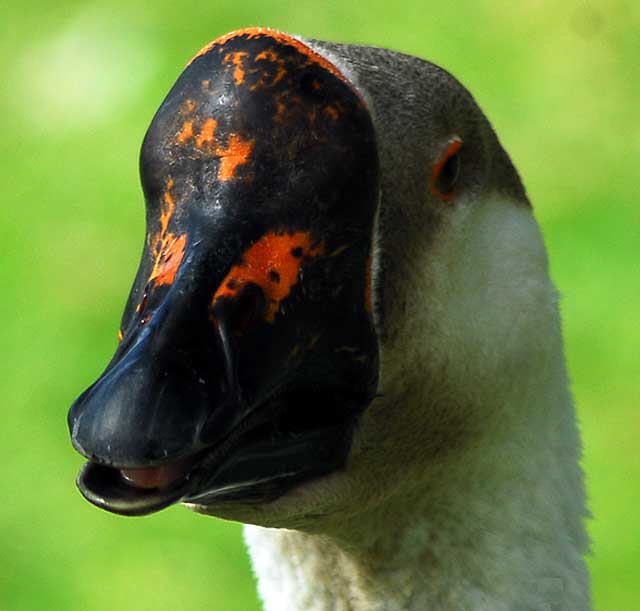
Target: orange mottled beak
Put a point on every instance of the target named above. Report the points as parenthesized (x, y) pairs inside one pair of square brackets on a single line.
[(248, 349)]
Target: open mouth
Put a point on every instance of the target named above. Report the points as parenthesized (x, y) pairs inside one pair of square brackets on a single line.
[(294, 437)]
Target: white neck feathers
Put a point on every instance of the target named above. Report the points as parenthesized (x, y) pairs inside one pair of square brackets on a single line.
[(504, 533)]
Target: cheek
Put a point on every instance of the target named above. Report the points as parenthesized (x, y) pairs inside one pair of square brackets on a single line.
[(489, 297)]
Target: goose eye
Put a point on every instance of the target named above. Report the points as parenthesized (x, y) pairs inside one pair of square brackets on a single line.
[(446, 171)]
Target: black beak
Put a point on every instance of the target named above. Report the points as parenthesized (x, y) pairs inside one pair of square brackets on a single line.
[(207, 401), (248, 348)]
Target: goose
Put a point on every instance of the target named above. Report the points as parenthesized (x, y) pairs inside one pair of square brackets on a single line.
[(343, 334)]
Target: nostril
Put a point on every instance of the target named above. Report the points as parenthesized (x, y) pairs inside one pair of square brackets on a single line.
[(238, 313), (249, 307), (233, 316)]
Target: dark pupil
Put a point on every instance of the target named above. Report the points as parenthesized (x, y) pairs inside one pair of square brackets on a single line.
[(449, 174)]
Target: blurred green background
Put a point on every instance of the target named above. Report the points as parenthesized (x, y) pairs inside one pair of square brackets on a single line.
[(80, 83)]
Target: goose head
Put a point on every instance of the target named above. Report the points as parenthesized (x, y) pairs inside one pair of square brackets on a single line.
[(342, 280)]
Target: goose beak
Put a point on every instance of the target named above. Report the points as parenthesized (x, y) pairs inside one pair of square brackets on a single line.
[(227, 397), (248, 349)]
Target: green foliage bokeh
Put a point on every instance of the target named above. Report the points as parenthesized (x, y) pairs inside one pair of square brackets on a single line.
[(80, 83)]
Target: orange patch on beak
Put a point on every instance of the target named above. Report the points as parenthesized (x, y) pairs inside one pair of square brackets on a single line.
[(274, 58), (207, 133), (168, 248), (168, 259), (237, 59), (168, 207), (273, 263), (237, 153), (186, 133), (271, 56)]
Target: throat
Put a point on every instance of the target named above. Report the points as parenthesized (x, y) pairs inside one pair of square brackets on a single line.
[(300, 571), (502, 543)]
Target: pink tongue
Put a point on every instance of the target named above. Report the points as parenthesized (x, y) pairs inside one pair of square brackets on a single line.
[(157, 477)]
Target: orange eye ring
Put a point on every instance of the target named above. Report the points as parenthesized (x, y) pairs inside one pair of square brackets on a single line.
[(446, 170)]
